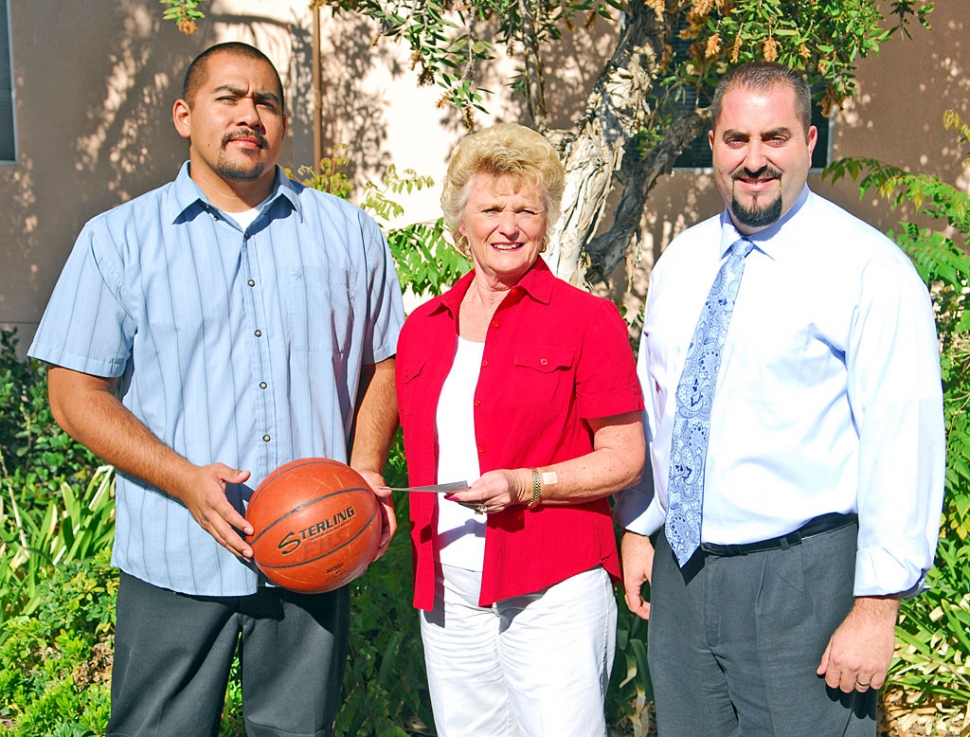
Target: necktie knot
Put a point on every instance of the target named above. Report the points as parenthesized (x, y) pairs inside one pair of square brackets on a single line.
[(741, 247)]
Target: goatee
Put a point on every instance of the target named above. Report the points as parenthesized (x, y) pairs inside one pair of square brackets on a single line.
[(236, 172), (756, 217), (239, 173)]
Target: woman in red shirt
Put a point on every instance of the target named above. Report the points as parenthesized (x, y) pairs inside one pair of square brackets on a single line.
[(524, 387)]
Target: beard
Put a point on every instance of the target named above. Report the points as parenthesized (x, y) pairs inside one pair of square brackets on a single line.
[(759, 216), (235, 171), (238, 171)]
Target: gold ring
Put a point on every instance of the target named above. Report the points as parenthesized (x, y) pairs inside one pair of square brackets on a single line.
[(481, 508)]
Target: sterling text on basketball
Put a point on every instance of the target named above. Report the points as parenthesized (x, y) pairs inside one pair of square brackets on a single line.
[(292, 540)]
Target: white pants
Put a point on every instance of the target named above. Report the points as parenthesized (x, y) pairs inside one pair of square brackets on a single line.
[(529, 666)]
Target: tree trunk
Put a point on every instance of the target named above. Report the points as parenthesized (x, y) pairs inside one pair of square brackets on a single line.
[(604, 149)]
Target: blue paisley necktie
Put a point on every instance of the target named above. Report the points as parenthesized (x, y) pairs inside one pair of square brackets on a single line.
[(695, 395)]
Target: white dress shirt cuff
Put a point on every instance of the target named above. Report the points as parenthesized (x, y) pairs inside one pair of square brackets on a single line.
[(638, 510), (879, 573)]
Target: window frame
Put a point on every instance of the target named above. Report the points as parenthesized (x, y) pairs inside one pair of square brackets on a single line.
[(7, 38)]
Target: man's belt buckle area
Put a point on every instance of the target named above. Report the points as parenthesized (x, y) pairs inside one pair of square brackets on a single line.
[(815, 526)]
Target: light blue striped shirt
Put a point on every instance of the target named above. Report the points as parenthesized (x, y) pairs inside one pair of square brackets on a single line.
[(242, 347)]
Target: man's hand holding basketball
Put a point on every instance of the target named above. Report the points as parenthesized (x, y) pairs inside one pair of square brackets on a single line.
[(204, 495)]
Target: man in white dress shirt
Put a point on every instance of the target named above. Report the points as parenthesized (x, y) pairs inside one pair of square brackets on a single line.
[(823, 481)]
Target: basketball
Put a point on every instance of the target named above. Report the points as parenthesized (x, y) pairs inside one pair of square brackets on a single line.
[(316, 525)]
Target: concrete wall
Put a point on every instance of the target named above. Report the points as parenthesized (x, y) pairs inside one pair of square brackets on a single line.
[(95, 82)]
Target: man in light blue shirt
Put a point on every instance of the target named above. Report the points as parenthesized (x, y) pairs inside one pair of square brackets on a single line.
[(823, 480), (200, 336)]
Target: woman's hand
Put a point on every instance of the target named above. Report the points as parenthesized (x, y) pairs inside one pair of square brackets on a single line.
[(496, 491), (615, 463)]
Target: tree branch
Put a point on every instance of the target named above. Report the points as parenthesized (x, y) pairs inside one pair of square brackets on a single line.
[(639, 175), (617, 107), (535, 86)]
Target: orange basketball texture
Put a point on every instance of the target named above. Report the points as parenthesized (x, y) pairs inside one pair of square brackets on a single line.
[(316, 525)]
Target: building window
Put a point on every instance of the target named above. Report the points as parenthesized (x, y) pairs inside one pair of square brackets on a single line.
[(8, 140)]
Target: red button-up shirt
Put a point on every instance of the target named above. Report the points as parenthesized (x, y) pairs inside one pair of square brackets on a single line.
[(554, 357)]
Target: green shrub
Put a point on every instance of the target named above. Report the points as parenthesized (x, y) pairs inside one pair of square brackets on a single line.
[(34, 451), (70, 525), (425, 262), (56, 661), (932, 660), (630, 694), (385, 685)]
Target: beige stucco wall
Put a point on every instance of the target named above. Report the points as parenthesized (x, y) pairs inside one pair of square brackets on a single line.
[(95, 86)]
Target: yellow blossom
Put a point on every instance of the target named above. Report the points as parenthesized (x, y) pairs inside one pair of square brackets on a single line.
[(713, 46), (770, 49), (703, 7), (831, 99), (736, 48)]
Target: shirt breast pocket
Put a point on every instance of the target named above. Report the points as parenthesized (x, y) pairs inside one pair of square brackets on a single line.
[(321, 309), (542, 377)]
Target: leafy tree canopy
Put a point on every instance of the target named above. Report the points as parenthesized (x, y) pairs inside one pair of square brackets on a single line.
[(636, 119)]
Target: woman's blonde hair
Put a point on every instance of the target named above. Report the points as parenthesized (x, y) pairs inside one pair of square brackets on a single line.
[(505, 149)]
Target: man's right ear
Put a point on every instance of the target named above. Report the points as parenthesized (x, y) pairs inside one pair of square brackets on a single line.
[(182, 117)]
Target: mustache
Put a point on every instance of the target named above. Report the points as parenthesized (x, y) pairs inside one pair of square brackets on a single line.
[(765, 173), (245, 133)]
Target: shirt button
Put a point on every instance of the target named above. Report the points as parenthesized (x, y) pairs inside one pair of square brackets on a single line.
[(266, 438), (481, 448), (262, 385), (258, 333), (544, 361), (251, 283), (478, 402), (495, 324), (484, 363)]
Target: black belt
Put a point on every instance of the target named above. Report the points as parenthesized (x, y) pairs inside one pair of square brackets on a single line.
[(816, 526)]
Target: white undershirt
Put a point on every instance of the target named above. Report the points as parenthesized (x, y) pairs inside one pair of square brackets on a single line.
[(245, 218), (461, 533)]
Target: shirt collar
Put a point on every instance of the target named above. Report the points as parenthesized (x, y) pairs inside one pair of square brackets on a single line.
[(189, 198), (537, 284), (768, 240)]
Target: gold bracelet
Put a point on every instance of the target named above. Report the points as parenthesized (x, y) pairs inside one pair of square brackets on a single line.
[(536, 488)]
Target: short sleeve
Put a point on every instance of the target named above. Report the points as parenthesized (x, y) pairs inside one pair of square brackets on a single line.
[(86, 326), (606, 379), (385, 306)]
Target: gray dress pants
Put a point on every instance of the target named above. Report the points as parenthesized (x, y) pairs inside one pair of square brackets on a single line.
[(734, 642), (173, 654)]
